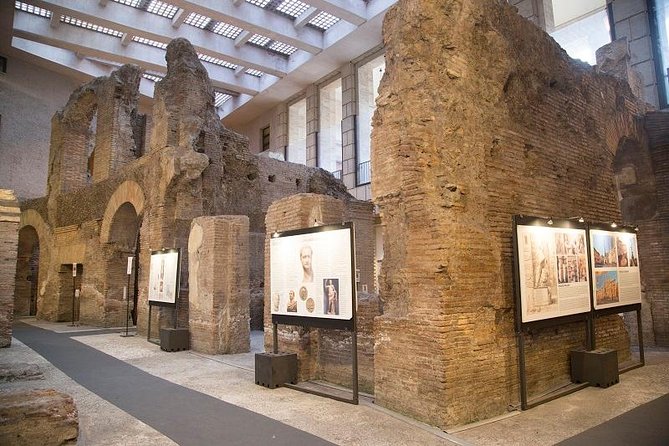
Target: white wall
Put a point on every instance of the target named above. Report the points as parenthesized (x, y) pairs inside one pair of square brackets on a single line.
[(29, 96)]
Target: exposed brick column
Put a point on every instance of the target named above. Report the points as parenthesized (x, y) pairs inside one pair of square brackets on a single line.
[(9, 224), (218, 256)]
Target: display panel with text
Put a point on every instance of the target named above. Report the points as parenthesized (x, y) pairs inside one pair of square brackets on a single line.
[(164, 276), (553, 271), (311, 273), (615, 261)]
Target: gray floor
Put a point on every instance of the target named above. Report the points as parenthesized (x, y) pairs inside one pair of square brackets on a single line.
[(122, 414)]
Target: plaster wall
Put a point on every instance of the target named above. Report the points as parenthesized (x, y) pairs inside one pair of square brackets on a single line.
[(29, 96)]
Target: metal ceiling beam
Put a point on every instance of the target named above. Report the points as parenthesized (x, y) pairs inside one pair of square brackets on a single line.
[(31, 27), (151, 26), (252, 18), (72, 61)]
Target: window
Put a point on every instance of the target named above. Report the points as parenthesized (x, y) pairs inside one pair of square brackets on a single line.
[(265, 138), (329, 134), (579, 26), (369, 78), (660, 34), (297, 132)]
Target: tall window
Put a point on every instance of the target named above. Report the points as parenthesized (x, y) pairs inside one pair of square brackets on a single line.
[(661, 24), (579, 26), (369, 78), (265, 138), (297, 132), (329, 134)]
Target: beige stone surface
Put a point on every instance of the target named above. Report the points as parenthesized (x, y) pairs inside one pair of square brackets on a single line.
[(46, 417)]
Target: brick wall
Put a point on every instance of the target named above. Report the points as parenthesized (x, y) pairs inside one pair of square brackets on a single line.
[(326, 353), (218, 254), (480, 116), (9, 225)]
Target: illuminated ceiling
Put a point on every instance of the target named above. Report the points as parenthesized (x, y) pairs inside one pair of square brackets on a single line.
[(258, 52)]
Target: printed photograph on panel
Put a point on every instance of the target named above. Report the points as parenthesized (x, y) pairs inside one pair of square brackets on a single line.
[(291, 306), (627, 250), (569, 243), (604, 250), (582, 263), (330, 296), (306, 257), (540, 270), (607, 287)]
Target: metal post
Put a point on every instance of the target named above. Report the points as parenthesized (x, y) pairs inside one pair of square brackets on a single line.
[(74, 291), (148, 331), (642, 358), (275, 338), (354, 360), (521, 370)]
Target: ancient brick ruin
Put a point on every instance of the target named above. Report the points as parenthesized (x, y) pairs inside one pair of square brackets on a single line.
[(9, 222), (110, 197), (483, 116)]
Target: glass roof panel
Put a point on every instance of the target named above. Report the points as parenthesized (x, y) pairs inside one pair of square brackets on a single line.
[(282, 48), (220, 98), (323, 20), (292, 8), (162, 9), (216, 61), (32, 9), (259, 40), (261, 3), (149, 42), (252, 72), (226, 30), (197, 20), (87, 25), (133, 3)]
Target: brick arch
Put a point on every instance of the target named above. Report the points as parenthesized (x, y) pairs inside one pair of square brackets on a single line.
[(32, 218), (127, 192)]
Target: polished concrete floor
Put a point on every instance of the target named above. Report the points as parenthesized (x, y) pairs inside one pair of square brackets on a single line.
[(230, 379)]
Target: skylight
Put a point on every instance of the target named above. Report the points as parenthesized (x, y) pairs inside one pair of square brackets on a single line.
[(216, 61), (292, 8), (149, 42), (252, 72), (259, 40), (220, 98), (87, 25), (226, 30), (133, 3), (323, 20), (282, 48), (162, 9), (32, 9), (197, 20), (152, 77), (261, 3)]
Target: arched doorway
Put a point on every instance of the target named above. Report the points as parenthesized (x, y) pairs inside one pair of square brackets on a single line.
[(123, 242), (27, 272)]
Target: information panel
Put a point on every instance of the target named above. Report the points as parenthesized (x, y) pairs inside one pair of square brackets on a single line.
[(163, 276), (311, 273), (553, 271), (615, 260)]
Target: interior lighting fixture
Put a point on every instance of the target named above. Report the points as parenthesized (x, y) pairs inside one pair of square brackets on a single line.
[(636, 229), (581, 220), (614, 225), (550, 221)]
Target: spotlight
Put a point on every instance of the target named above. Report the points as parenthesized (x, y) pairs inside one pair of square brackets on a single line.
[(636, 229), (550, 221), (581, 220), (275, 235), (614, 225)]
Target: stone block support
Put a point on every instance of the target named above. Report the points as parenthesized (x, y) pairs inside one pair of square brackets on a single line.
[(218, 257), (9, 224)]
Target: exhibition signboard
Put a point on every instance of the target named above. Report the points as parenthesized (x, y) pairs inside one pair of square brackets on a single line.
[(553, 269), (164, 277), (615, 262), (312, 275)]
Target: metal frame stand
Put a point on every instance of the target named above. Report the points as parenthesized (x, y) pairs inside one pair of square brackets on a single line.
[(75, 323), (127, 310)]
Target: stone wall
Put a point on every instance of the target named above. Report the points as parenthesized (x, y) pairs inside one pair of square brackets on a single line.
[(218, 256), (109, 198), (480, 116), (9, 225), (326, 354)]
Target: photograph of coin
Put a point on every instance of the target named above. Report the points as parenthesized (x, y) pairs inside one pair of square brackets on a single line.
[(310, 305), (304, 293)]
